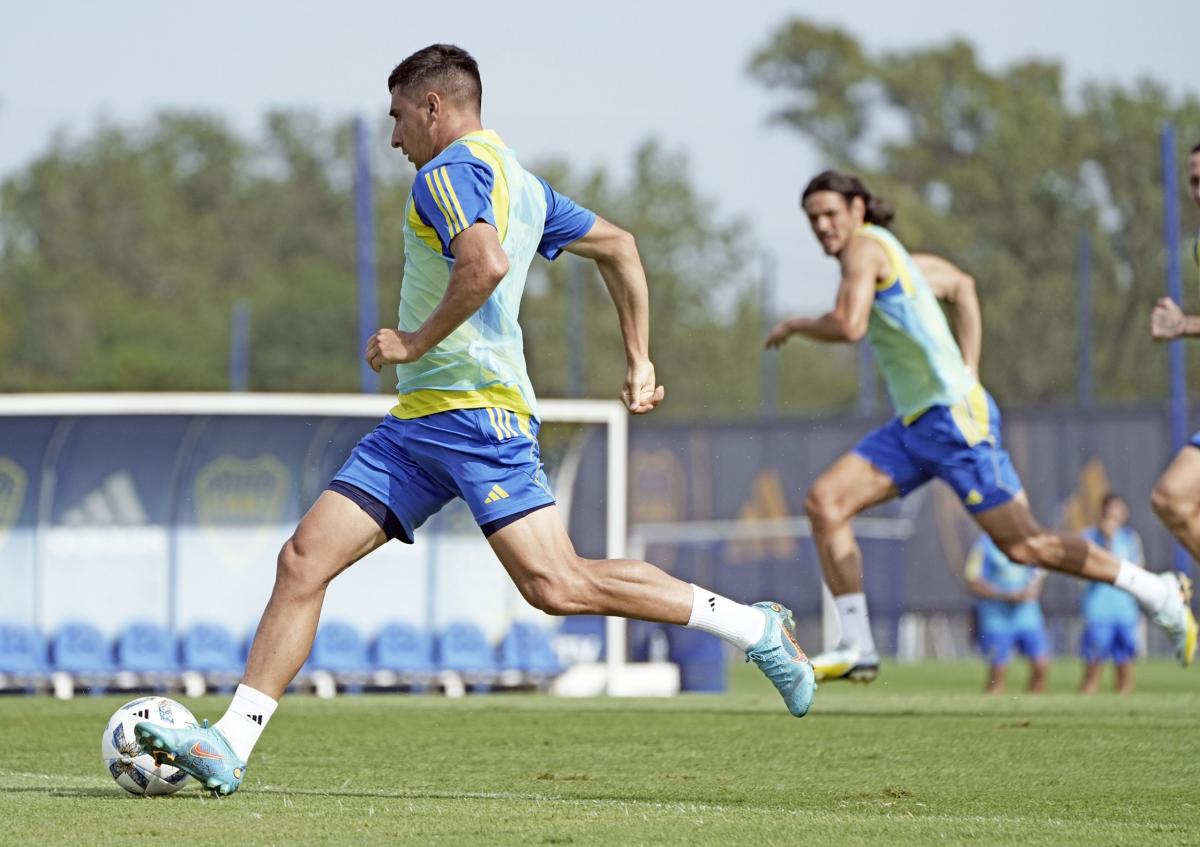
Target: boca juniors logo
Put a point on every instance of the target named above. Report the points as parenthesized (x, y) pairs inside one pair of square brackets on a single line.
[(238, 503), (13, 483)]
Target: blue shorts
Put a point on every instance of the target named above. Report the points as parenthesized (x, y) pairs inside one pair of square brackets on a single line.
[(958, 444), (409, 469), (1108, 642), (998, 645)]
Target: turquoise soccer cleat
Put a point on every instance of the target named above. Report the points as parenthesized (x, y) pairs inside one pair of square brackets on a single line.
[(779, 657), (201, 751)]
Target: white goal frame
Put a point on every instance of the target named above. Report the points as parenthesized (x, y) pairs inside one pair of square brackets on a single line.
[(612, 414)]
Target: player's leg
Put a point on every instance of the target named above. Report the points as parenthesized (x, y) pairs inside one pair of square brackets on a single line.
[(1094, 647), (996, 646), (963, 444), (995, 682), (333, 535), (1124, 677), (539, 556), (877, 470), (1033, 646), (1176, 497)]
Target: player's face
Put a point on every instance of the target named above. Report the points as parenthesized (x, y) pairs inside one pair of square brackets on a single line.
[(412, 131), (1116, 513), (832, 219), (1194, 178)]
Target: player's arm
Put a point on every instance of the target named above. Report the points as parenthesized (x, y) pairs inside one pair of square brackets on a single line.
[(1168, 322), (616, 256), (955, 287), (973, 571), (455, 201), (863, 262)]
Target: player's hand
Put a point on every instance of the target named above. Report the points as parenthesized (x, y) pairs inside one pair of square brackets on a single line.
[(392, 347), (641, 392), (1166, 320), (778, 335)]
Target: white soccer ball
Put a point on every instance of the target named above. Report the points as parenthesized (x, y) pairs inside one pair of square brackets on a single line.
[(134, 770)]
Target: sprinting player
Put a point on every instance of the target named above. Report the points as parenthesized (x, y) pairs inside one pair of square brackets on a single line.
[(946, 424), (1110, 617), (1008, 614), (1176, 497), (466, 422)]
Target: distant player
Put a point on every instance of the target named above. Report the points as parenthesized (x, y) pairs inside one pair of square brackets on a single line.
[(466, 422), (946, 424), (1008, 614), (1110, 617), (1176, 497)]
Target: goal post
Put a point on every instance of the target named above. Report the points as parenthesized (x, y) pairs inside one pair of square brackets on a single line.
[(67, 408)]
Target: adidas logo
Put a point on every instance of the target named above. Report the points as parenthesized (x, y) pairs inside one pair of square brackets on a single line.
[(712, 603), (256, 718), (114, 503), (144, 714), (497, 493)]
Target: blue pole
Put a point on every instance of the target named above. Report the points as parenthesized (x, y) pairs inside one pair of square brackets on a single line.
[(1084, 389), (769, 359), (1179, 410), (239, 347), (368, 321)]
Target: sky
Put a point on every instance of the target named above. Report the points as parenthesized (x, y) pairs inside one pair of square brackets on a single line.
[(582, 82)]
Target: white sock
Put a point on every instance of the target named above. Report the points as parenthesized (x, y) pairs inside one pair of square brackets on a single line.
[(856, 624), (742, 626), (245, 719), (1146, 587)]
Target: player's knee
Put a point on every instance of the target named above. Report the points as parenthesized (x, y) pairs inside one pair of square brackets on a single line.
[(1167, 503), (560, 591), (1030, 550), (824, 507), (296, 571)]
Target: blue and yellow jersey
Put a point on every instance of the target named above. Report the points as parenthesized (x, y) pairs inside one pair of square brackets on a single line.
[(987, 563), (921, 363), (1104, 603), (481, 364)]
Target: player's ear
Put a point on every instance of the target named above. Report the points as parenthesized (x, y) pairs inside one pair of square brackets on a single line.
[(433, 103)]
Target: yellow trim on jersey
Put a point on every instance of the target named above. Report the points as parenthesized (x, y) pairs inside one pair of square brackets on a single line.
[(445, 175), (899, 266), (430, 401), (421, 229), (974, 566), (435, 192), (971, 416), (500, 195)]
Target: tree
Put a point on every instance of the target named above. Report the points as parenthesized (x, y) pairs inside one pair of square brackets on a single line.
[(1002, 172)]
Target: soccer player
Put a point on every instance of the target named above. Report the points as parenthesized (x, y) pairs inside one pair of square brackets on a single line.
[(466, 422), (946, 424), (1110, 617), (1176, 497), (1007, 613)]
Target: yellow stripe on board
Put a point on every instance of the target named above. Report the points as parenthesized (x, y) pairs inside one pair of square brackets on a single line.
[(438, 200), (445, 174)]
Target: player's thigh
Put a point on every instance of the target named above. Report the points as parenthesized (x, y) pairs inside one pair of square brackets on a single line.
[(538, 554), (848, 486), (1181, 480), (1008, 524), (333, 535)]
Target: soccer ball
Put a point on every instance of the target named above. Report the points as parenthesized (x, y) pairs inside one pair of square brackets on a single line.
[(134, 770)]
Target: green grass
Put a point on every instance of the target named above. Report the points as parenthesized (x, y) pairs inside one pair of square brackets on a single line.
[(919, 757)]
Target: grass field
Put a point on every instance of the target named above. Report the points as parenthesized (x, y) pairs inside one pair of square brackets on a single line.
[(918, 757)]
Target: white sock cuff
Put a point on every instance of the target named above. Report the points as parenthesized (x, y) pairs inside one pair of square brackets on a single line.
[(255, 700)]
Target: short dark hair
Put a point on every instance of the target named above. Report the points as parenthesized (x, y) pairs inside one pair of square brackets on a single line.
[(879, 211), (445, 68), (1108, 499)]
